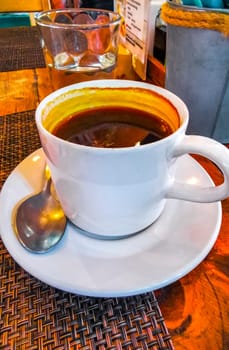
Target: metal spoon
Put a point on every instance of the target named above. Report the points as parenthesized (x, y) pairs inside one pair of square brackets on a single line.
[(39, 220)]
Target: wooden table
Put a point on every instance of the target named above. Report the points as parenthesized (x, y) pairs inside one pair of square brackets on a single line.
[(195, 308)]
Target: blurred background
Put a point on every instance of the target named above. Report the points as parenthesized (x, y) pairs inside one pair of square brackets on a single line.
[(14, 18), (101, 4)]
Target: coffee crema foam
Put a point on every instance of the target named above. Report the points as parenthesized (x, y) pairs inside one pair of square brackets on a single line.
[(85, 101)]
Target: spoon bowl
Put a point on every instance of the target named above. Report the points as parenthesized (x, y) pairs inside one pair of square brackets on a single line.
[(39, 220)]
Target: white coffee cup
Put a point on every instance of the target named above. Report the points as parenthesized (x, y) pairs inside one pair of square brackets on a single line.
[(116, 192)]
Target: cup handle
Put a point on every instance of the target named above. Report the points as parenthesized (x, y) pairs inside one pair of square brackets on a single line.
[(215, 152)]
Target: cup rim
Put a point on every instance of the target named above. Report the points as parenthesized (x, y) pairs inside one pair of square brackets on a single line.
[(119, 83), (41, 18)]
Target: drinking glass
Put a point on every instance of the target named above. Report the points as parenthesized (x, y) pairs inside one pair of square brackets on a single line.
[(79, 40)]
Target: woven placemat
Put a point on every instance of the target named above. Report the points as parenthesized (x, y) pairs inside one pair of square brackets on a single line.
[(20, 49), (37, 316)]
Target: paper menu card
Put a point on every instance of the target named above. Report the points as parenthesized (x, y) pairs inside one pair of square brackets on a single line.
[(137, 32)]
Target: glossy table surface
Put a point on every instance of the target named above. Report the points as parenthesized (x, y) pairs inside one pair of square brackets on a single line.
[(196, 307)]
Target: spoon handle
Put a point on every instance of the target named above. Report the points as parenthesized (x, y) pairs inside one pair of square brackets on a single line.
[(47, 180)]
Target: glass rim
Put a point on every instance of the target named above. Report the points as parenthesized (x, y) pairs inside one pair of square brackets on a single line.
[(41, 18)]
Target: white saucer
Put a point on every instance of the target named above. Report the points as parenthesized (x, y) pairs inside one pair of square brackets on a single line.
[(169, 249)]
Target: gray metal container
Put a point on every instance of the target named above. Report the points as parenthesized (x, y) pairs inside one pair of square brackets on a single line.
[(197, 70)]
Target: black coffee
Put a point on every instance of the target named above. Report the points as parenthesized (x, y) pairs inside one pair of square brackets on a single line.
[(112, 127)]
